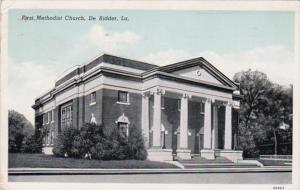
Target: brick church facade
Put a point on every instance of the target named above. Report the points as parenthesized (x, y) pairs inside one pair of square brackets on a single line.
[(184, 109)]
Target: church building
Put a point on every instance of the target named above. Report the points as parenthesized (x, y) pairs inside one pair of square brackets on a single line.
[(184, 109)]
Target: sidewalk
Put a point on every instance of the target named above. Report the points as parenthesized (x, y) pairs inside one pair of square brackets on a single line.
[(70, 171)]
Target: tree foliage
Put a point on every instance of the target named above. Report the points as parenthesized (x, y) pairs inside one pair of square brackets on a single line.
[(264, 107), (19, 128)]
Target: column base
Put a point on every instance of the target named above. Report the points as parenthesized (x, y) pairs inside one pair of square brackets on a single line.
[(209, 154), (47, 150), (233, 155), (159, 154), (183, 154)]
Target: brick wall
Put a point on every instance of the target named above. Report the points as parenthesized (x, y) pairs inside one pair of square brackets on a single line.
[(113, 110), (96, 109)]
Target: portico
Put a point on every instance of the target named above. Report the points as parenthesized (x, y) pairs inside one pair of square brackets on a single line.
[(209, 146)]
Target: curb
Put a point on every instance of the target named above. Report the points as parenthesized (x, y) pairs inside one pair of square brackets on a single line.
[(69, 171)]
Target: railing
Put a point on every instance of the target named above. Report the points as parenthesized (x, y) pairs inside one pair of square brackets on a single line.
[(276, 157)]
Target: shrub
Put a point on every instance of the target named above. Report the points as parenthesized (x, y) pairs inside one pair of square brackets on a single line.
[(91, 140), (31, 144), (64, 143), (136, 144)]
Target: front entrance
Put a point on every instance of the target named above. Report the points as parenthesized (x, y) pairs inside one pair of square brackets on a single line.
[(195, 127)]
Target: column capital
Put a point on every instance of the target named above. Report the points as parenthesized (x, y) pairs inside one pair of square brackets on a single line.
[(229, 104), (146, 94), (185, 95), (158, 91), (208, 100)]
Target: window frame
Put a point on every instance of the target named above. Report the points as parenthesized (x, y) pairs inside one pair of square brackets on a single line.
[(93, 98), (162, 102), (52, 116), (179, 104), (202, 108), (126, 126), (49, 117), (66, 119), (127, 97)]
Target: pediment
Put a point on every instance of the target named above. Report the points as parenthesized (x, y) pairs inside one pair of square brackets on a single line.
[(197, 73)]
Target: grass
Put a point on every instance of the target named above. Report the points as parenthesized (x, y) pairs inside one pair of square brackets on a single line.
[(17, 160)]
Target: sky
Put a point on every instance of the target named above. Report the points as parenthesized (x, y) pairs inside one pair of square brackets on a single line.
[(41, 51)]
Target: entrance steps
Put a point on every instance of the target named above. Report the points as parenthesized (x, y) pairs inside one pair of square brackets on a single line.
[(219, 162)]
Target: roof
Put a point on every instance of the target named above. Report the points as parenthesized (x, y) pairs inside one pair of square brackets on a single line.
[(147, 71), (107, 59)]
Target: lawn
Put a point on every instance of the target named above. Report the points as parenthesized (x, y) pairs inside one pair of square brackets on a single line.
[(17, 160)]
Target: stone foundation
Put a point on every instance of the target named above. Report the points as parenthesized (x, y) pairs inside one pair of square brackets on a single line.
[(158, 154), (183, 154), (208, 154), (47, 150)]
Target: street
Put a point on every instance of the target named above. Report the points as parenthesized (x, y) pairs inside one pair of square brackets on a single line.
[(189, 178)]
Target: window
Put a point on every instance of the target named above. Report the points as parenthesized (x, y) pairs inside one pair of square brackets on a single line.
[(51, 138), (179, 104), (162, 102), (66, 116), (52, 113), (49, 116), (202, 108), (123, 129), (45, 119), (123, 97), (93, 98)]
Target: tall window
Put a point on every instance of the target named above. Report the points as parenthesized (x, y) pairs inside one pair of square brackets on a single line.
[(49, 116), (66, 116), (202, 108), (44, 119), (123, 129), (93, 98), (52, 113), (51, 138), (178, 104), (123, 97), (162, 102)]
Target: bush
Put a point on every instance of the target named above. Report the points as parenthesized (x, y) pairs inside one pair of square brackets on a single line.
[(136, 144), (91, 140), (64, 143), (31, 144)]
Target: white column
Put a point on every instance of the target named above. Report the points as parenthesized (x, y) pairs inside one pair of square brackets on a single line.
[(183, 136), (145, 118), (228, 127), (215, 127), (207, 124), (157, 119)]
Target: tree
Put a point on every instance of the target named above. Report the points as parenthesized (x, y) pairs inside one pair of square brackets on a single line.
[(277, 111), (264, 108), (253, 85), (18, 128)]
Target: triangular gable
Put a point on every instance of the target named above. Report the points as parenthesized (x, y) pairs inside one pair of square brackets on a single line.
[(197, 73), (199, 69)]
